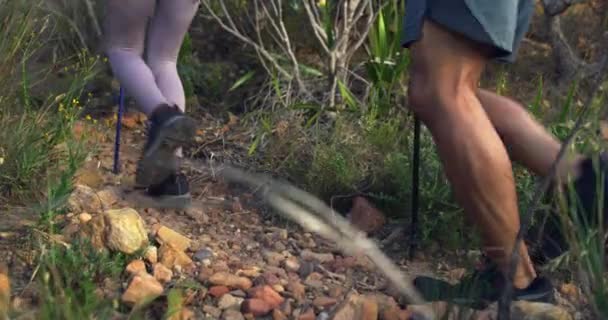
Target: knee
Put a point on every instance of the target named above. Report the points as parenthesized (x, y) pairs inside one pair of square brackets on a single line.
[(433, 97)]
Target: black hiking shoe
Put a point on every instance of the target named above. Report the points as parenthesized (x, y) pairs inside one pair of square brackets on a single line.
[(173, 192), (480, 289), (168, 130), (547, 241)]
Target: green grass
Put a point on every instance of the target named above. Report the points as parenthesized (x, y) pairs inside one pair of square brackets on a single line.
[(69, 280)]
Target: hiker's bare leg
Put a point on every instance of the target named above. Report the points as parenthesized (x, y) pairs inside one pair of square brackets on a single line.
[(527, 141), (443, 93)]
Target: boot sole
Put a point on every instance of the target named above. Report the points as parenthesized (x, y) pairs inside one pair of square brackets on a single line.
[(160, 161), (141, 199)]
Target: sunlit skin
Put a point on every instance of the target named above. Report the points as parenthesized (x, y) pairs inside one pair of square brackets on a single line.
[(477, 133)]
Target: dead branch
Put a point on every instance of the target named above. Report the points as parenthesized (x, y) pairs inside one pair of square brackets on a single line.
[(315, 216), (569, 65)]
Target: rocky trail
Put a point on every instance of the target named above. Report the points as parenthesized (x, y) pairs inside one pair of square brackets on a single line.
[(232, 259)]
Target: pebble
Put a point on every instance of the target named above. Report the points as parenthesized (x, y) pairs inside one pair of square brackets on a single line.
[(203, 255), (231, 281), (232, 315), (214, 312), (291, 264), (218, 291), (257, 307), (228, 301), (267, 294), (324, 302), (308, 255)]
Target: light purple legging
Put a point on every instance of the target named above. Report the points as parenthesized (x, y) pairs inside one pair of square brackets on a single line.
[(153, 81)]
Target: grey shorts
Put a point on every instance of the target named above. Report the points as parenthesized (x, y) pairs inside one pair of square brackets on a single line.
[(500, 24)]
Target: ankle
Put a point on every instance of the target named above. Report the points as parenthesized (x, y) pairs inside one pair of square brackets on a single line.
[(163, 111)]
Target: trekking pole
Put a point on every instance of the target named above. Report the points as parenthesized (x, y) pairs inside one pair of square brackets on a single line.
[(121, 101), (415, 187)]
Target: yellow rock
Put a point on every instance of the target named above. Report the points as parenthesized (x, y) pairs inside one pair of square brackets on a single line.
[(151, 254), (171, 257), (162, 273), (135, 267), (84, 217), (172, 237), (125, 230), (143, 289)]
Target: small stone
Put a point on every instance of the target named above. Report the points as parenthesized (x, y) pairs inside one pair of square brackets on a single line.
[(203, 254), (257, 307), (278, 288), (125, 230), (314, 280), (212, 311), (205, 273), (297, 289), (151, 254), (172, 257), (279, 246), (231, 281), (308, 255), (218, 291), (324, 302), (228, 301), (273, 258), (276, 271), (538, 311), (84, 199), (306, 269), (142, 289), (309, 314), (267, 294), (291, 264), (162, 273), (271, 278), (238, 293), (135, 267), (335, 291), (356, 307), (232, 315), (571, 291), (84, 217), (198, 214), (172, 237), (286, 307), (364, 216), (278, 315), (250, 272)]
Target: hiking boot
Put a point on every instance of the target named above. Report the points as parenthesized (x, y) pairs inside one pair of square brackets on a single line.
[(548, 241), (173, 192), (168, 130), (481, 288)]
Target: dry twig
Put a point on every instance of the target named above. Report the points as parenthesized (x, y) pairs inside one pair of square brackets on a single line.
[(315, 216)]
